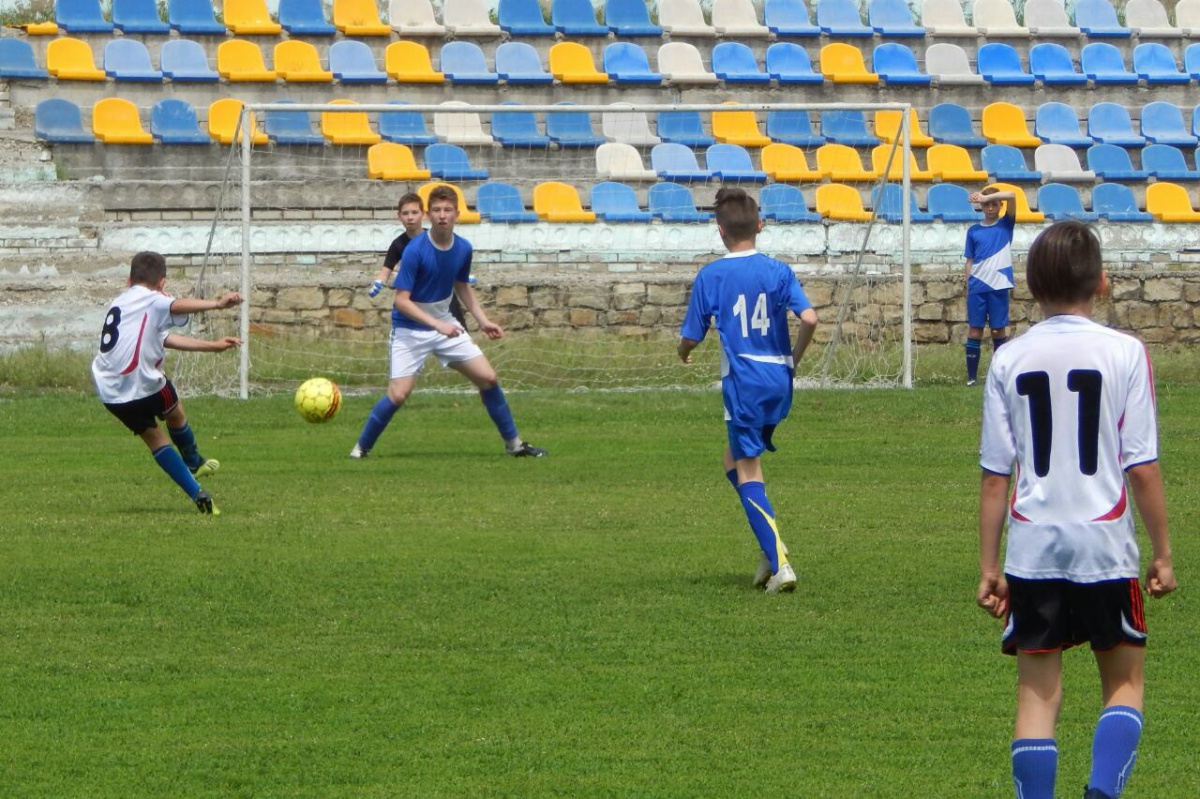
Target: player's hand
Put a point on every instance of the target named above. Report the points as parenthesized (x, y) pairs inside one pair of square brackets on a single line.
[(686, 358), (992, 595), (376, 287), (492, 330), (230, 299), (1160, 577), (450, 329), (227, 343)]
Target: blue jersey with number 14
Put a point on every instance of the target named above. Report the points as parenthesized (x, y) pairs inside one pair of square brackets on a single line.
[(748, 296)]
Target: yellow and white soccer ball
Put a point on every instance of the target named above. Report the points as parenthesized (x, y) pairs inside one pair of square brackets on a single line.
[(318, 400)]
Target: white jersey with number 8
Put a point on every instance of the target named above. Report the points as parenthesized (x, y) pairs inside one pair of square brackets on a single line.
[(128, 366)]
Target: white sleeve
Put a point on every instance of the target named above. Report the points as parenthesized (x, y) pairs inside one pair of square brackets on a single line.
[(163, 315), (1139, 427), (997, 446)]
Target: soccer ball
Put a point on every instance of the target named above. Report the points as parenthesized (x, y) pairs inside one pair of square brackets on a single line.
[(318, 400)]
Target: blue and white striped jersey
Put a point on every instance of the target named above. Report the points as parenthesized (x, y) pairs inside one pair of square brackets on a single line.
[(990, 249)]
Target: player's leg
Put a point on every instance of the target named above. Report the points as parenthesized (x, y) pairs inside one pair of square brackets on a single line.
[(185, 440), (976, 318), (479, 371), (1034, 749), (745, 448), (171, 462), (998, 317), (407, 355)]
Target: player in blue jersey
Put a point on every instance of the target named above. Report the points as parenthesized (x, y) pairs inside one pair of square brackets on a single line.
[(747, 296), (434, 267), (989, 273)]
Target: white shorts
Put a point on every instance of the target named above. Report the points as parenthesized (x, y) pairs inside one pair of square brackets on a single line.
[(410, 348)]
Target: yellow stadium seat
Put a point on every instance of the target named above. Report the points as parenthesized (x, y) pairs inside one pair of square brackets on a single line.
[(1004, 123), (738, 127), (1169, 202), (839, 201), (879, 159), (409, 62), (351, 128), (72, 59), (571, 62), (842, 63), (559, 202), (41, 29), (465, 214), (839, 162), (116, 121), (950, 163), (298, 62), (1024, 212), (223, 117), (887, 127), (240, 61), (359, 18), (249, 17), (390, 161), (787, 162)]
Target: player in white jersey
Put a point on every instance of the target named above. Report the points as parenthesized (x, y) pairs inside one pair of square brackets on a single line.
[(127, 370), (1069, 412)]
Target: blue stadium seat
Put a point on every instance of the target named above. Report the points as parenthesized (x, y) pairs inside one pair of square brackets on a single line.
[(351, 61), (572, 128), (950, 123), (17, 60), (174, 121), (1155, 63), (1111, 162), (783, 203), (1105, 66), (683, 127), (57, 120), (897, 65), (847, 127), (1098, 18), (518, 129), (788, 18), (888, 204), (501, 202), (450, 162), (522, 18), (677, 162), (793, 127), (81, 16), (138, 16), (1191, 61), (1109, 123), (519, 63), (616, 202), (576, 18), (841, 18), (733, 62), (193, 16), (1165, 162), (732, 164), (1006, 163), (1059, 201), (789, 64), (463, 62), (950, 203), (1056, 123), (405, 127), (1116, 203), (892, 18), (127, 59), (1162, 123), (1000, 65), (294, 127), (629, 18), (625, 62), (184, 61), (1052, 65), (671, 202), (305, 18)]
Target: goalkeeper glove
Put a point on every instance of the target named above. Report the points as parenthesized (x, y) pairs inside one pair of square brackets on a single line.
[(376, 287)]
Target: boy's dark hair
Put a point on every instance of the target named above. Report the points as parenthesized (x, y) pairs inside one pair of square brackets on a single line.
[(443, 193), (147, 268), (1064, 264), (737, 214), (410, 197), (990, 190)]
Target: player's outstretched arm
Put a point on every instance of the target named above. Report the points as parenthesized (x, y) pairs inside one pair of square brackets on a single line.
[(466, 296), (1146, 481), (992, 594), (804, 336), (190, 305), (186, 344)]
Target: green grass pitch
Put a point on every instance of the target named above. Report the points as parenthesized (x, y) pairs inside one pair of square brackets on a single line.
[(442, 621)]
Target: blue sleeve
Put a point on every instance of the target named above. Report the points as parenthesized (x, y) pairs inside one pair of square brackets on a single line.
[(797, 299), (1009, 223), (969, 247), (695, 321), (410, 261), (464, 271)]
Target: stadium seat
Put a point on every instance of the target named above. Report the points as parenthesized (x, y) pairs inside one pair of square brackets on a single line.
[(1059, 201), (1052, 65), (879, 163), (680, 63), (787, 163), (464, 62), (468, 18), (297, 61), (1116, 203), (945, 18), (193, 17), (897, 65), (892, 18), (950, 123), (1098, 18), (465, 214), (1162, 123), (184, 61), (519, 63), (522, 18), (292, 128), (1148, 19), (629, 18), (1056, 123), (847, 127), (17, 60), (81, 16), (625, 62), (304, 18), (240, 61), (1104, 65), (460, 128), (59, 121), (887, 128), (174, 121), (842, 63), (628, 127), (571, 62), (1003, 162), (672, 202), (359, 18), (576, 18), (737, 19), (559, 202), (1187, 17), (1191, 61), (788, 64), (683, 127), (620, 161), (501, 202), (138, 16), (1047, 19), (951, 203), (1024, 212), (789, 18), (349, 128), (782, 203), (678, 163), (949, 162), (731, 163), (40, 28), (683, 18), (1109, 123), (841, 18), (1169, 202), (842, 164), (793, 127), (390, 161), (127, 59), (737, 127), (948, 65), (572, 129), (1060, 164), (616, 202), (404, 127), (734, 62), (1004, 123), (352, 61), (115, 120), (995, 19), (72, 59), (1155, 64), (839, 202), (888, 204), (1165, 162), (224, 122), (1111, 162), (1000, 65), (249, 17), (518, 129), (407, 61), (414, 18)]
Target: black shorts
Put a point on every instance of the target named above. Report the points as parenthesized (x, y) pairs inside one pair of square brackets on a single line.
[(142, 414), (1046, 615)]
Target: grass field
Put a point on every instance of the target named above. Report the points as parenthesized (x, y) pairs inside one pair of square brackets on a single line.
[(441, 621)]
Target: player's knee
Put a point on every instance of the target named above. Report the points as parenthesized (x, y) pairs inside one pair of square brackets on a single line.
[(487, 381)]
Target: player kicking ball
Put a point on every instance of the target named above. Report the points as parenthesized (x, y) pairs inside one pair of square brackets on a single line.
[(748, 296), (1071, 404), (434, 267), (128, 374)]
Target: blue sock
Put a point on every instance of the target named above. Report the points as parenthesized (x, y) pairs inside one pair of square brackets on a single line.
[(731, 476), (1114, 748), (972, 358), (1034, 767), (997, 343), (380, 415), (185, 441), (497, 408), (762, 522), (171, 463)]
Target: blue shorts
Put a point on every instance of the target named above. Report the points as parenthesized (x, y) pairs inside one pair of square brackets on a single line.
[(749, 442), (988, 309)]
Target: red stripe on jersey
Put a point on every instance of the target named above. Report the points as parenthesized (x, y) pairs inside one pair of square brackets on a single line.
[(1012, 500), (1117, 511), (137, 348)]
